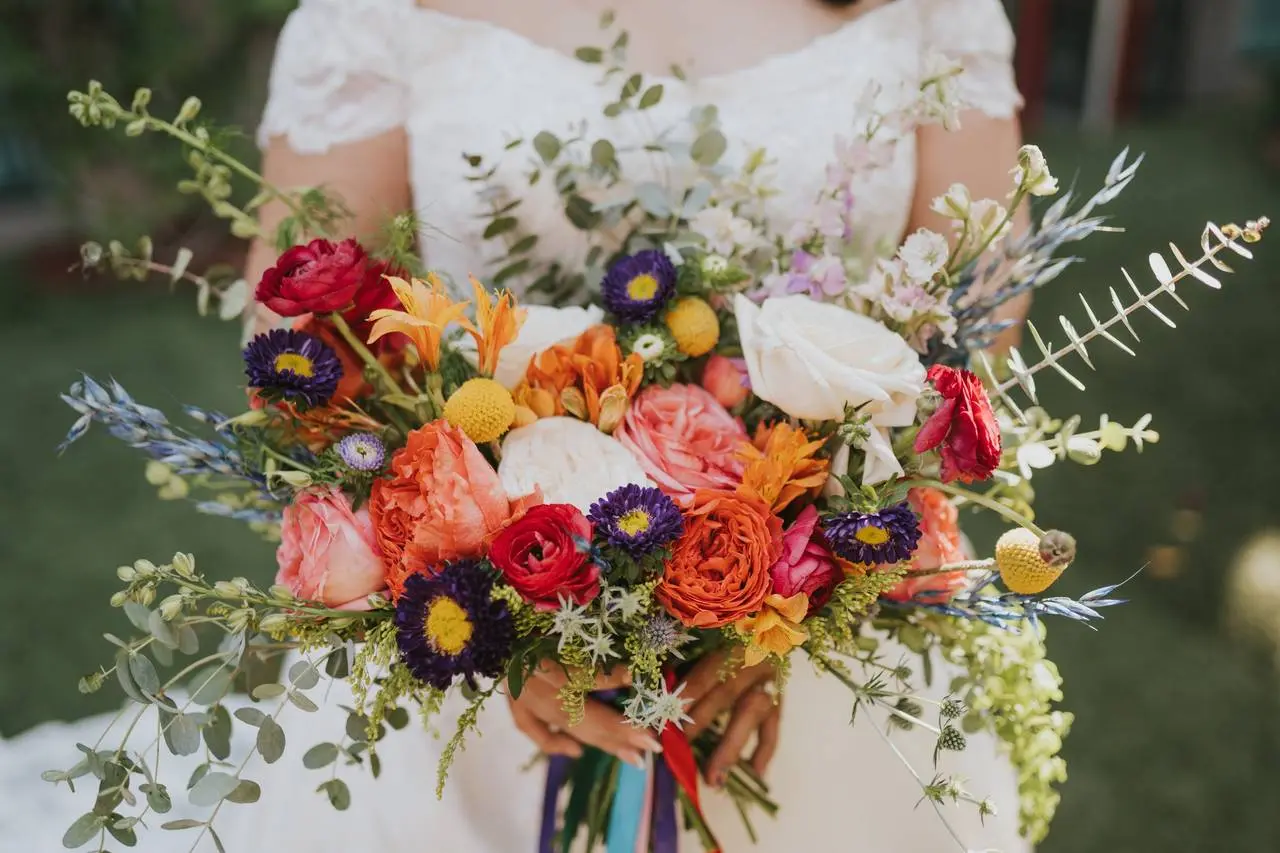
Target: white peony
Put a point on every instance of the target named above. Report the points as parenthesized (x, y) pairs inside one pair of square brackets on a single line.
[(810, 358), (570, 460), (543, 328)]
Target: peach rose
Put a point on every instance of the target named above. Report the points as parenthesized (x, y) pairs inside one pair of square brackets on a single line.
[(726, 381), (443, 502), (719, 569), (940, 544), (327, 552), (683, 439)]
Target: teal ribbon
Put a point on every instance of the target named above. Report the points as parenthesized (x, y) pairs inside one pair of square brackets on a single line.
[(628, 809)]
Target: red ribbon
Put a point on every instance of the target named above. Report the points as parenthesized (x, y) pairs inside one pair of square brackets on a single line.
[(678, 755)]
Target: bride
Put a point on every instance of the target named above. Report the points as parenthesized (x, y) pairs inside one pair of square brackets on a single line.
[(377, 100)]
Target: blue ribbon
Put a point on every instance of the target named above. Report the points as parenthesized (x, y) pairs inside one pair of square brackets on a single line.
[(627, 810)]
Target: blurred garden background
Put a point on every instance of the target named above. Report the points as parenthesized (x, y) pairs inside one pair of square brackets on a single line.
[(1177, 739)]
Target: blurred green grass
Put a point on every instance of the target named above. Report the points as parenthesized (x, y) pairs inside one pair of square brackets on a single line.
[(1176, 740)]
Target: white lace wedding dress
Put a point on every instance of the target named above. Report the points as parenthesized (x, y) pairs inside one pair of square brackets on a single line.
[(349, 69)]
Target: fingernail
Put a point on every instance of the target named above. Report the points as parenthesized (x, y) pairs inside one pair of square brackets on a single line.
[(650, 744), (717, 779)]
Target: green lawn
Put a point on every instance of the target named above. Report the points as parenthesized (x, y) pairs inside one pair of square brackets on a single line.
[(1176, 742)]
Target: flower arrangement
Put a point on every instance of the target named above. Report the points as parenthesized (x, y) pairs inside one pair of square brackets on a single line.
[(751, 439)]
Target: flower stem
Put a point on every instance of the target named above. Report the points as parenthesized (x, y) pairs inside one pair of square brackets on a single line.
[(979, 499), (390, 385)]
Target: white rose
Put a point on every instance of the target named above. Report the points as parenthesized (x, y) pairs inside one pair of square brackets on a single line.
[(543, 328), (811, 358), (570, 460)]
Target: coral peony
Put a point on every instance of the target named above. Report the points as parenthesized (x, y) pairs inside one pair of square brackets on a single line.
[(444, 502)]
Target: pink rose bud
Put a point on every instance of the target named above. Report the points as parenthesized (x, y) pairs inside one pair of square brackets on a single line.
[(328, 552), (725, 380)]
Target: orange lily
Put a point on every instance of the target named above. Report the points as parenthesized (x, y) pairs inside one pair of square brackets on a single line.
[(588, 379), (498, 321), (427, 311), (781, 465), (776, 628)]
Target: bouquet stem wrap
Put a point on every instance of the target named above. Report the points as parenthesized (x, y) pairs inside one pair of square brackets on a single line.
[(642, 807)]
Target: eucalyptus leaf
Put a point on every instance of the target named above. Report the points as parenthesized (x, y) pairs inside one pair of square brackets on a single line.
[(250, 716), (708, 148), (233, 301), (268, 691), (320, 755), (336, 664), (217, 841), (197, 774), (125, 835), (338, 793), (375, 765), (603, 154), (547, 145), (397, 718), (213, 789), (161, 630), (182, 735), (188, 643), (500, 226), (211, 684), (357, 727), (144, 674), (522, 245), (245, 792), (157, 798), (651, 97), (126, 680), (271, 740), (185, 823), (162, 654), (139, 615), (217, 735), (653, 199), (589, 54), (303, 675), (632, 87), (82, 831)]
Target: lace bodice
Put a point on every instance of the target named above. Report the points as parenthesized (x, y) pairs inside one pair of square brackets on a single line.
[(346, 70)]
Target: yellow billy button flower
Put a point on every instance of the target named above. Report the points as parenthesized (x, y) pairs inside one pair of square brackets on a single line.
[(1029, 564), (482, 409), (694, 325)]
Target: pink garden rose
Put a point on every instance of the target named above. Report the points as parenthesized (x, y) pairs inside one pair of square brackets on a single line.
[(725, 380), (328, 552), (683, 439), (805, 565)]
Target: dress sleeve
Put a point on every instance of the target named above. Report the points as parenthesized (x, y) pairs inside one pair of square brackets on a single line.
[(338, 74), (977, 34)]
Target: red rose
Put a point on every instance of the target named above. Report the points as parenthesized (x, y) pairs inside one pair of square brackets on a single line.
[(964, 425), (538, 555), (316, 278)]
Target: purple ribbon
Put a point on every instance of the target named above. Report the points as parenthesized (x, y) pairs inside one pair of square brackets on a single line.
[(558, 767)]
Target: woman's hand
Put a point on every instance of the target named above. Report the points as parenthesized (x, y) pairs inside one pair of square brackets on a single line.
[(753, 709), (540, 715)]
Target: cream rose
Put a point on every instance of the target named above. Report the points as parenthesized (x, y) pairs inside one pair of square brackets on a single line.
[(544, 327), (811, 358), (569, 460)]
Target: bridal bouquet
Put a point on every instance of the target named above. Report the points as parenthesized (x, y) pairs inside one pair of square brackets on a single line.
[(728, 436)]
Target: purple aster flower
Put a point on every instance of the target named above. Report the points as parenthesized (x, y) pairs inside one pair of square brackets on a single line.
[(448, 625), (637, 519), (284, 364), (874, 538), (362, 451), (636, 287)]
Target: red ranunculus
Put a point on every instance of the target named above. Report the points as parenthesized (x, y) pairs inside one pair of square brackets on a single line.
[(538, 555), (316, 278), (964, 425), (375, 292)]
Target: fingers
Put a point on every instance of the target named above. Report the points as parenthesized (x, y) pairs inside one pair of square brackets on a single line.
[(767, 739), (554, 674), (707, 672), (722, 697), (547, 741), (750, 712), (540, 714)]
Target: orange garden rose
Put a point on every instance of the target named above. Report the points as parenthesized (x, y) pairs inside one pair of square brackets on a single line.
[(939, 545), (588, 379), (444, 502), (719, 569), (781, 465)]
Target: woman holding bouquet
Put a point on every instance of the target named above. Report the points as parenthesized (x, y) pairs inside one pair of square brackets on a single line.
[(377, 101)]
